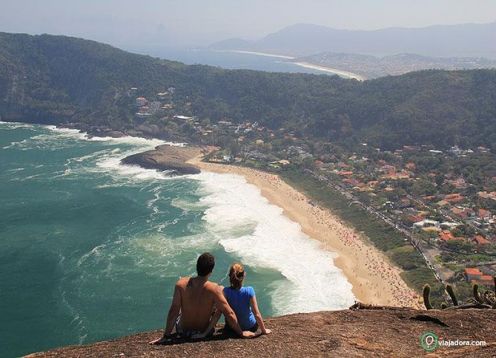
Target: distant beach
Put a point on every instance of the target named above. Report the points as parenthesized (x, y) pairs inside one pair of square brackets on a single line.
[(259, 54), (374, 279), (308, 65), (331, 70)]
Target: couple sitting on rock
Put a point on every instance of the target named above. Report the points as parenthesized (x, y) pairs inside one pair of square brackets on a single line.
[(198, 304)]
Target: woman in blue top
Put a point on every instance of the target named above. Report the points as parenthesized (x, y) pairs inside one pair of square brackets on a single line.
[(243, 301)]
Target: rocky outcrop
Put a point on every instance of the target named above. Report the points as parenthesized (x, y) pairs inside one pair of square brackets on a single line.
[(166, 158), (379, 332)]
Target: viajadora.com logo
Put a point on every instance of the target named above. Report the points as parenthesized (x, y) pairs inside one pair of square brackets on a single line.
[(429, 341)]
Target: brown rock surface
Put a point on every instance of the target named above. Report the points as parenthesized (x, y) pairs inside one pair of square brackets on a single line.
[(388, 332), (166, 157)]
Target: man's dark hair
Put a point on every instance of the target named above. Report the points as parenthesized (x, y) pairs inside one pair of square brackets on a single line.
[(205, 264)]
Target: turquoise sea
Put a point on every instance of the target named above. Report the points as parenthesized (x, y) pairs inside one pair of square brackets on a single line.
[(90, 249)]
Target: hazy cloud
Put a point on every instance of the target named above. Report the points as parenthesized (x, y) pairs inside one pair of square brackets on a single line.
[(199, 22)]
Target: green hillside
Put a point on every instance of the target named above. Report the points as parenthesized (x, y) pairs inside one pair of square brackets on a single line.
[(55, 79)]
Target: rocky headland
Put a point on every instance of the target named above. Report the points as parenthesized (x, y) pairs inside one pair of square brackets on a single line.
[(166, 158), (377, 332)]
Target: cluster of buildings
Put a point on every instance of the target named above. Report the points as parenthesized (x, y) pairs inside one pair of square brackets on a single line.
[(160, 104), (441, 207)]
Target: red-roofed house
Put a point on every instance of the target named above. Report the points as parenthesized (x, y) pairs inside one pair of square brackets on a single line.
[(414, 218), (454, 198), (446, 236), (442, 203), (464, 213), (480, 240), (472, 273), (484, 214), (351, 181), (486, 280), (486, 195)]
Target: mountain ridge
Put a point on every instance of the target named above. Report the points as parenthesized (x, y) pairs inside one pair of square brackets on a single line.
[(437, 40)]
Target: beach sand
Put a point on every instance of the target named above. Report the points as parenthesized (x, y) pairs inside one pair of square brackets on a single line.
[(374, 279), (341, 73), (312, 66)]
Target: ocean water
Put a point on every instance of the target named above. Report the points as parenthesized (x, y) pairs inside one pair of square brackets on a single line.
[(90, 249), (230, 60)]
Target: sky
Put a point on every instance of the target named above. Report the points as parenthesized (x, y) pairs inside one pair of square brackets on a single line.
[(192, 23)]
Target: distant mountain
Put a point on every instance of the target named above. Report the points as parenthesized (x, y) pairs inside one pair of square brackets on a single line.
[(467, 40), (70, 81), (372, 67)]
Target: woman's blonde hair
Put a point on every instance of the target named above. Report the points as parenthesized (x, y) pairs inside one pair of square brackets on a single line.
[(236, 275)]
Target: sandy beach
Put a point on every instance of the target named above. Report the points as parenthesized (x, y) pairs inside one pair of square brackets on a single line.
[(330, 70), (374, 279), (308, 65), (258, 54)]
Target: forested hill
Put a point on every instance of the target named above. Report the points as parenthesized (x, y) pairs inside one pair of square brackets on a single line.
[(60, 79)]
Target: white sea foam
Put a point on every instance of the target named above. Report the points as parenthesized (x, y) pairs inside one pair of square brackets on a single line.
[(129, 172), (70, 132), (187, 205), (113, 163), (15, 170), (19, 145), (247, 226), (14, 125), (236, 217), (77, 321), (146, 143), (46, 141), (143, 143), (105, 161), (275, 242), (151, 251), (110, 162)]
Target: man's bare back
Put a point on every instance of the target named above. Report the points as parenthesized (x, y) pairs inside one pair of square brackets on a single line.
[(197, 302)]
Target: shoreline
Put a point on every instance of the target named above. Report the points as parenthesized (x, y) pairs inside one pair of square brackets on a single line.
[(341, 73), (256, 53), (374, 279), (377, 282), (311, 66)]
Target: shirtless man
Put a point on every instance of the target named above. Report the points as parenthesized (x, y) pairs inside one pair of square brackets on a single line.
[(192, 309)]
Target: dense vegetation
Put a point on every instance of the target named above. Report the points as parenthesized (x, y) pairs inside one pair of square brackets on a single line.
[(61, 79)]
